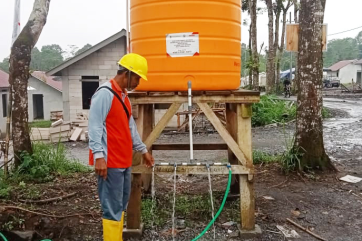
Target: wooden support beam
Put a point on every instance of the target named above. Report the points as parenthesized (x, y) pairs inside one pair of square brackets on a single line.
[(223, 132), (186, 147), (195, 170), (244, 138), (248, 99), (162, 124), (232, 127)]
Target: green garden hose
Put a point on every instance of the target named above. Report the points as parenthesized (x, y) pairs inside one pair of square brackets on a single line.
[(5, 239), (220, 210)]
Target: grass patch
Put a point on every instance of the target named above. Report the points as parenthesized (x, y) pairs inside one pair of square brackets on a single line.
[(270, 110), (46, 162), (263, 157), (40, 124)]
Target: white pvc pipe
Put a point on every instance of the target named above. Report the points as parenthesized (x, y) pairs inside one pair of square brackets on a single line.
[(190, 121), (127, 26)]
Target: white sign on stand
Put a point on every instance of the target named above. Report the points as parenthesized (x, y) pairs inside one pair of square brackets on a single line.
[(182, 44)]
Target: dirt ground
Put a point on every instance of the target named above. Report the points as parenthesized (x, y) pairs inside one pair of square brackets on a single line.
[(327, 206)]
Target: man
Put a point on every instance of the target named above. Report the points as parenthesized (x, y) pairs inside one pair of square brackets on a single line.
[(112, 136)]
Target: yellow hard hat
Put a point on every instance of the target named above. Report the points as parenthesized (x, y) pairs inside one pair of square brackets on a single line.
[(135, 63)]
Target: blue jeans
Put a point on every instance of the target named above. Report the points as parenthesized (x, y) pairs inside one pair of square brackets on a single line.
[(114, 192)]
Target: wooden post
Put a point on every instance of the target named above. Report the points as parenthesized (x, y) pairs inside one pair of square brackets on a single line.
[(231, 126), (247, 200), (144, 126)]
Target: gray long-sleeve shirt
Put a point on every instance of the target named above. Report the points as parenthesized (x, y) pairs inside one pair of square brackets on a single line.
[(100, 106)]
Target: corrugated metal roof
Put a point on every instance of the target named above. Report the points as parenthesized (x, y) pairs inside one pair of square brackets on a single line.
[(359, 62), (4, 79), (47, 79), (341, 64)]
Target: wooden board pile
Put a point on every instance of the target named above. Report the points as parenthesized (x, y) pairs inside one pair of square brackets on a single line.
[(63, 131)]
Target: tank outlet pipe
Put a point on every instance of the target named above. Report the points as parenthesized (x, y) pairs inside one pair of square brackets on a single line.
[(190, 121)]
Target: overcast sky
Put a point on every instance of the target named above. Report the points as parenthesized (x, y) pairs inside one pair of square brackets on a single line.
[(78, 22)]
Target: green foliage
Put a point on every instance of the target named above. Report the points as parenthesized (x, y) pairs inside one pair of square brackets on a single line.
[(4, 66), (270, 110), (262, 157), (46, 162), (341, 49), (40, 124), (158, 216), (200, 205)]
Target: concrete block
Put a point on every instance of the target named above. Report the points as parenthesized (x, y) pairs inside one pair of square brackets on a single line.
[(112, 54), (250, 234), (74, 77), (105, 67), (111, 63), (132, 234)]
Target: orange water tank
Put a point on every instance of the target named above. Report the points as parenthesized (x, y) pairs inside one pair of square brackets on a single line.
[(182, 40)]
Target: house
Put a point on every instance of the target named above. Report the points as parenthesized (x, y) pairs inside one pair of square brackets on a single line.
[(84, 73), (346, 70), (44, 96), (4, 90)]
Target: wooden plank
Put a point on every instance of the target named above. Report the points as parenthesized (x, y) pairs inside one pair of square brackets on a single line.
[(186, 146), (161, 93), (223, 132), (246, 93), (292, 37), (76, 134), (218, 92), (57, 123), (196, 170), (244, 138), (162, 124), (63, 139), (194, 93), (244, 97), (59, 129), (137, 93), (83, 124)]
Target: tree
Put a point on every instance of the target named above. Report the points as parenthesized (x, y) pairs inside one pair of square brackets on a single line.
[(5, 65), (254, 44), (83, 49), (280, 48), (341, 49), (20, 58), (270, 67), (309, 126)]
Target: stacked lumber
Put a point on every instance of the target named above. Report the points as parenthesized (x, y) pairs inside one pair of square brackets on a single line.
[(56, 115), (60, 132), (37, 134), (63, 131)]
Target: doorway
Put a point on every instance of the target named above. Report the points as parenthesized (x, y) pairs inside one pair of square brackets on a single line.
[(359, 78), (38, 107)]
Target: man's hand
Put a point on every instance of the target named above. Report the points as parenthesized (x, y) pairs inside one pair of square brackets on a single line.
[(101, 168), (148, 158)]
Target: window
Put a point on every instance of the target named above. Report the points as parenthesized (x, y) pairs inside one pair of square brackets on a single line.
[(5, 104), (88, 90)]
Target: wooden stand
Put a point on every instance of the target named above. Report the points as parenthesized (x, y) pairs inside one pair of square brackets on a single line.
[(237, 136)]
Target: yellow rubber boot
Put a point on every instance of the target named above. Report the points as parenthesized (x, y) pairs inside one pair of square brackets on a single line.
[(111, 230), (121, 227)]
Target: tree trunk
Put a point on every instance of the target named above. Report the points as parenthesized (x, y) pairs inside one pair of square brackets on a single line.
[(270, 67), (309, 126), (282, 43), (296, 20), (20, 58), (255, 63), (250, 61)]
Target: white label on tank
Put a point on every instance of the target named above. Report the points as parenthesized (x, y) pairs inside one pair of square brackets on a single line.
[(182, 44)]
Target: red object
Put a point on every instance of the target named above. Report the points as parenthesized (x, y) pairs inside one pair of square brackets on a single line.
[(119, 139)]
